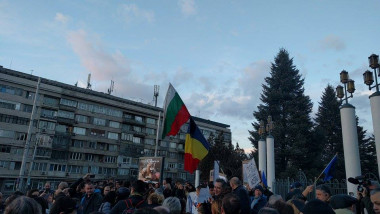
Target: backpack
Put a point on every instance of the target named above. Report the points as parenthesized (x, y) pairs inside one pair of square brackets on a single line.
[(130, 208)]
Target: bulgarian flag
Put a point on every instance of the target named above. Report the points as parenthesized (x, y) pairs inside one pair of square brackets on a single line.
[(175, 113)]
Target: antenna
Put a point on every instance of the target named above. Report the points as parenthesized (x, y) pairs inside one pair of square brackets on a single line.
[(89, 81), (76, 84), (155, 94), (110, 90)]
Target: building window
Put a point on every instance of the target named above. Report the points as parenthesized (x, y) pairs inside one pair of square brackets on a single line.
[(182, 175), (4, 164), (50, 101), (75, 156), (98, 132), (150, 121), (123, 171), (9, 105), (112, 148), (172, 154), (5, 149), (27, 108), (127, 137), (173, 145), (81, 118), (172, 165), (110, 159), (79, 131), (46, 125), (150, 131), (137, 128), (99, 122), (13, 119), (164, 143), (74, 169), (92, 145), (47, 113), (77, 143), (89, 157), (67, 102), (100, 109), (137, 140), (114, 124), (126, 127), (58, 167), (113, 136), (138, 118), (39, 166), (7, 134), (149, 141), (66, 114), (11, 90)]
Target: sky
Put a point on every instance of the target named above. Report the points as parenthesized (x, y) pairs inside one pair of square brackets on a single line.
[(215, 53)]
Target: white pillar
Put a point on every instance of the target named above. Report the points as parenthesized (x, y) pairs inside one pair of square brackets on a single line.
[(197, 174), (262, 156), (375, 110), (350, 145), (270, 162)]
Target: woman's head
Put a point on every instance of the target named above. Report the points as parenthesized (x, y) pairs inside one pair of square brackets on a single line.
[(23, 205)]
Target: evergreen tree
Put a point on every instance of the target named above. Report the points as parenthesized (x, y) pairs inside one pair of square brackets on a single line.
[(328, 125), (367, 151), (284, 99)]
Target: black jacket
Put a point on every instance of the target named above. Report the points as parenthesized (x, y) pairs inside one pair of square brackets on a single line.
[(121, 205), (92, 203), (244, 199)]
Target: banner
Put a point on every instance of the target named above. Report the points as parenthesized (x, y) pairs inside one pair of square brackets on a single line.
[(150, 168), (251, 173)]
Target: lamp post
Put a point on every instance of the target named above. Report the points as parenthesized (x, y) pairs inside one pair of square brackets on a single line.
[(262, 149), (271, 177), (349, 130), (374, 100)]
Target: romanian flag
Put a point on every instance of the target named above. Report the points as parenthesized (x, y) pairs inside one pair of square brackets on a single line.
[(175, 113), (196, 147)]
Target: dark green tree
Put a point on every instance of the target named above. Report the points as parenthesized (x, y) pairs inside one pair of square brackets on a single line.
[(367, 152), (284, 99), (328, 127)]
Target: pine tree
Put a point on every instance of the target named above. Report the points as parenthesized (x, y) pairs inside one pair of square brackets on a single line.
[(284, 99), (367, 152), (328, 124)]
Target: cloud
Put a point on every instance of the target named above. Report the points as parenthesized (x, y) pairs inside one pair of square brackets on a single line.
[(133, 12), (332, 42), (59, 17), (187, 7)]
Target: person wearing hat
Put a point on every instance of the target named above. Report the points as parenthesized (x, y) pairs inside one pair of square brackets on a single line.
[(259, 200), (343, 204), (317, 206)]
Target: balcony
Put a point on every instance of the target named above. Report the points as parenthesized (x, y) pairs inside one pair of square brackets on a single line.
[(66, 121), (132, 121)]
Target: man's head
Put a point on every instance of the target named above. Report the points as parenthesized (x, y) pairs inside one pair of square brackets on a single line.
[(323, 192), (47, 186), (343, 201), (138, 187), (258, 191), (106, 190), (375, 199), (63, 185), (211, 189), (89, 188), (219, 186), (173, 204), (230, 204), (234, 182)]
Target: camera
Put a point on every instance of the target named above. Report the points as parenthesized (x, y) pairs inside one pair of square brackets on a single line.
[(362, 182)]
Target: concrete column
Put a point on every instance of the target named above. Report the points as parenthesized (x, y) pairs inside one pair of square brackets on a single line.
[(262, 156), (350, 144), (197, 175), (270, 162), (375, 110)]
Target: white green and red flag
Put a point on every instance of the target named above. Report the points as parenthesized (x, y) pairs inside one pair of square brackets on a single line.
[(175, 113)]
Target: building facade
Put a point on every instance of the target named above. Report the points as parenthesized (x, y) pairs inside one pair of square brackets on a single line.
[(77, 131)]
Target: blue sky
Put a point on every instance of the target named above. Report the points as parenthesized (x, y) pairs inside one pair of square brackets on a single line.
[(215, 53)]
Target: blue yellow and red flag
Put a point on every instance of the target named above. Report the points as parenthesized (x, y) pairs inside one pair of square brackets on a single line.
[(196, 147)]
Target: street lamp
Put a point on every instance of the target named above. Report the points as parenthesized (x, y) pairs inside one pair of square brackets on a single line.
[(368, 75), (349, 129), (374, 98), (271, 177), (349, 86)]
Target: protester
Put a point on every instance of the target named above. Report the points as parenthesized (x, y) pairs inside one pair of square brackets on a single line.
[(317, 206), (23, 205), (259, 200), (91, 201), (343, 204), (216, 207), (155, 200), (323, 193), (230, 204), (297, 204), (2, 206), (241, 192), (173, 204), (375, 199), (65, 205), (108, 203), (135, 200), (219, 187), (106, 190), (282, 207)]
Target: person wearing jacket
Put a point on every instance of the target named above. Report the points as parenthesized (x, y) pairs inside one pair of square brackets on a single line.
[(241, 192), (91, 201), (259, 200), (136, 198), (108, 202)]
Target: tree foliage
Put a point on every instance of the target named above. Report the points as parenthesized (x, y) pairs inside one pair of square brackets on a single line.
[(283, 98)]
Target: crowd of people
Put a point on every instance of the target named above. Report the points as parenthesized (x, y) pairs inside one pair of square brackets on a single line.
[(219, 197)]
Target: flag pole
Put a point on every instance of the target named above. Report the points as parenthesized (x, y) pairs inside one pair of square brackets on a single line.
[(325, 169), (157, 133)]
